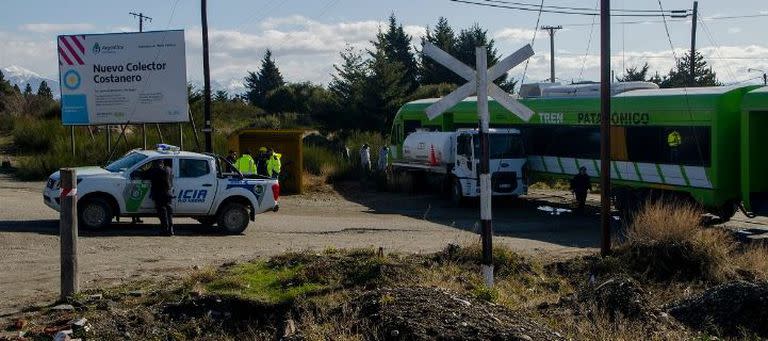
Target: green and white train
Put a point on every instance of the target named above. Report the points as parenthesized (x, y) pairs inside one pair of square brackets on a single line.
[(699, 144)]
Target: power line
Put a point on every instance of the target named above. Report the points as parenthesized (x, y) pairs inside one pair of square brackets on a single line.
[(672, 20), (589, 42), (497, 5), (533, 39), (588, 9)]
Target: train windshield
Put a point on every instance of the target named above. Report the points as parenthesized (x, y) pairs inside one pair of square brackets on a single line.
[(503, 146)]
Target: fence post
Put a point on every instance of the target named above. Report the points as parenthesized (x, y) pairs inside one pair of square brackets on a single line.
[(68, 232)]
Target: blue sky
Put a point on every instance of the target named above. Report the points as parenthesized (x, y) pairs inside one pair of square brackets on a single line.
[(307, 35)]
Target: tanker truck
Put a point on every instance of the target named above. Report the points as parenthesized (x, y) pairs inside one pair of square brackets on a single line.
[(450, 160)]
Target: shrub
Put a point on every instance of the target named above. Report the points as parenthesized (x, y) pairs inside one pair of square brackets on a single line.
[(35, 136), (666, 241), (754, 261), (6, 123)]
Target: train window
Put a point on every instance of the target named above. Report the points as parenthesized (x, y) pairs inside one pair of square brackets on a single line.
[(565, 141), (672, 145), (411, 126)]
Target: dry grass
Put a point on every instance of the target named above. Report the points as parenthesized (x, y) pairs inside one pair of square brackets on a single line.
[(666, 240), (662, 222), (754, 259)]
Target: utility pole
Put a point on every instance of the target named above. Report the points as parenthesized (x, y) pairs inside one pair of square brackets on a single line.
[(551, 30), (605, 127), (142, 17), (693, 42), (207, 129)]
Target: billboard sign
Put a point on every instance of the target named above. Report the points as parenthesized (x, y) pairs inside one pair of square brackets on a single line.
[(120, 78)]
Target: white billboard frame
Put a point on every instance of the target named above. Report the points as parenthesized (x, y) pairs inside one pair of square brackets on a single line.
[(123, 78)]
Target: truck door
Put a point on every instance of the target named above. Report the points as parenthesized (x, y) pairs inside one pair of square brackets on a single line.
[(464, 167), (136, 192), (194, 186)]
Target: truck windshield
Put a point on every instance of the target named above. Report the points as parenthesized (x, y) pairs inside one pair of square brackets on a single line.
[(503, 146), (125, 162)]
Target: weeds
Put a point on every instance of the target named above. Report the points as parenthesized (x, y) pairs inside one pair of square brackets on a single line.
[(666, 240)]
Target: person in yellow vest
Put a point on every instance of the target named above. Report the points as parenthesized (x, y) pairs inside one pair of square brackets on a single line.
[(245, 163), (273, 163), (674, 140)]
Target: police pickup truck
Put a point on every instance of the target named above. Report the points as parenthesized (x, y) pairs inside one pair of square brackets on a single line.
[(205, 187)]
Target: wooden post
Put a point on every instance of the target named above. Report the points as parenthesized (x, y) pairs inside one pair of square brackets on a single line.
[(72, 139), (144, 135), (605, 127), (68, 233)]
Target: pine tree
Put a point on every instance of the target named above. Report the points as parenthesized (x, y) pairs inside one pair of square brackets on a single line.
[(679, 76), (44, 91), (346, 88), (27, 90), (475, 36), (430, 71), (261, 83), (221, 96), (16, 89), (635, 74), (397, 48), (383, 91)]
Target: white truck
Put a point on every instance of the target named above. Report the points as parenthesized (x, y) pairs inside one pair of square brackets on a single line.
[(452, 159), (205, 187)]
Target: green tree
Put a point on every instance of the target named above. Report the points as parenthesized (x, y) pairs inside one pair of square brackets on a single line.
[(346, 87), (309, 101), (27, 90), (396, 45), (680, 76), (194, 95), (383, 92), (221, 96), (431, 72), (16, 89), (432, 91), (259, 84), (44, 91), (475, 36), (635, 74)]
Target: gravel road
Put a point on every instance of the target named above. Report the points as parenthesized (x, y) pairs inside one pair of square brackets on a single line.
[(29, 249)]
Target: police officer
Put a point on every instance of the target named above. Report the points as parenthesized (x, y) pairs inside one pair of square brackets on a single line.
[(261, 162), (160, 177), (245, 163), (274, 164)]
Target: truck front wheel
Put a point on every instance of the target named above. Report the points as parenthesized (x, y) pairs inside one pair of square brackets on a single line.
[(233, 218), (457, 194)]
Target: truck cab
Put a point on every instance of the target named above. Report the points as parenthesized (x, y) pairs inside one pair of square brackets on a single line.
[(507, 163), (205, 187), (453, 160)]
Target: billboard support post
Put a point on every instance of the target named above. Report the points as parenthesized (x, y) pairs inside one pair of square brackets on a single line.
[(72, 139)]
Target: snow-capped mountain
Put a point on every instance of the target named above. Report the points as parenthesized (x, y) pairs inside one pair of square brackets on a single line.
[(21, 76)]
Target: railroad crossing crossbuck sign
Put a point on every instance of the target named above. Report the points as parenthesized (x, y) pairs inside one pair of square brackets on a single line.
[(478, 83), (473, 85)]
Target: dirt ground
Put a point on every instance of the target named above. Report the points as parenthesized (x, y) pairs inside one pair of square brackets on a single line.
[(29, 249)]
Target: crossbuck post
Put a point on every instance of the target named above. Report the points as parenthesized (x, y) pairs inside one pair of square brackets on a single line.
[(478, 84)]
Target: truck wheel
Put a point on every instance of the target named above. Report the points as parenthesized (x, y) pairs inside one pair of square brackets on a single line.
[(94, 214), (233, 218), (457, 194), (206, 221)]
